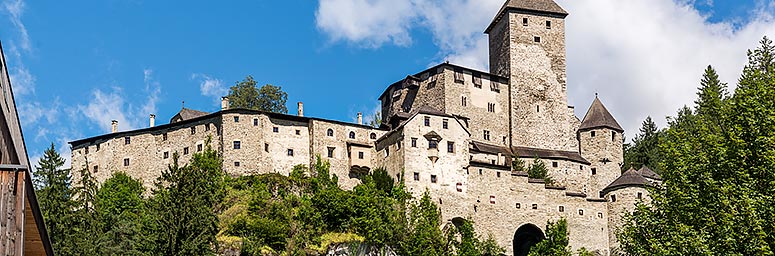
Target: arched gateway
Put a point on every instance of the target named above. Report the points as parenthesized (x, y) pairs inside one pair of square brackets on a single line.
[(526, 236)]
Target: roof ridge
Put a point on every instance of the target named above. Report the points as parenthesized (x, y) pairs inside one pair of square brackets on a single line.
[(598, 116)]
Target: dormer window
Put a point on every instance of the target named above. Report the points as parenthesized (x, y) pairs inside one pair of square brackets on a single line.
[(478, 81)]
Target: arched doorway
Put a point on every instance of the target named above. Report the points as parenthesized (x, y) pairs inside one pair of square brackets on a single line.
[(526, 236)]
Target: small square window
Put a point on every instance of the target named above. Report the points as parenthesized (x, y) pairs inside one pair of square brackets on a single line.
[(518, 206), (594, 171), (414, 142), (524, 21), (534, 206), (548, 24), (592, 134), (360, 155), (126, 161), (555, 164), (450, 147), (427, 121), (236, 119), (640, 195), (562, 208), (290, 152), (275, 129), (498, 174), (537, 39), (96, 169), (237, 144), (199, 148), (600, 215), (445, 124), (127, 140), (236, 164), (164, 137), (581, 212), (331, 152), (433, 179), (185, 151), (166, 154), (416, 176), (613, 198), (255, 121), (298, 132)]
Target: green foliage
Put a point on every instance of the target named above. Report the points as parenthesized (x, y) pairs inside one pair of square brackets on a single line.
[(270, 98), (538, 170), (120, 208), (183, 218), (717, 194), (644, 150), (376, 119), (52, 183), (518, 165), (423, 234), (556, 242)]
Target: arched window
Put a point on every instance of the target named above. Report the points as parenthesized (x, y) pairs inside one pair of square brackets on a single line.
[(373, 136), (330, 133), (352, 135)]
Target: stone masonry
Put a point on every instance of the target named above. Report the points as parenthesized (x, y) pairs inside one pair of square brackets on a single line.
[(449, 130)]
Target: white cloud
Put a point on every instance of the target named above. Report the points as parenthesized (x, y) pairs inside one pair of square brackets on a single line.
[(15, 10), (22, 81), (644, 57), (211, 87), (106, 106)]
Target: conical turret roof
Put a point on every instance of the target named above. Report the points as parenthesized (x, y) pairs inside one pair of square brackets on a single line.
[(598, 117), (648, 173), (629, 178)]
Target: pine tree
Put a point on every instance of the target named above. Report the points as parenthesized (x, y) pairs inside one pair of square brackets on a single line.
[(52, 183), (538, 171), (184, 203), (644, 148)]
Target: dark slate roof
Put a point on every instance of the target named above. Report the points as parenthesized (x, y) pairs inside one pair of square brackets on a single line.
[(648, 173), (536, 6), (630, 178), (549, 154), (186, 114), (598, 117), (490, 149)]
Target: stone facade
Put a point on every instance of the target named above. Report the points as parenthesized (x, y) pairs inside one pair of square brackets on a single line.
[(448, 130)]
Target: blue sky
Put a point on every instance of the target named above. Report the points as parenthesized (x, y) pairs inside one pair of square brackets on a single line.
[(77, 65)]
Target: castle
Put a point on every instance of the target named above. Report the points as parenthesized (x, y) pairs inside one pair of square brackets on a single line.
[(450, 130)]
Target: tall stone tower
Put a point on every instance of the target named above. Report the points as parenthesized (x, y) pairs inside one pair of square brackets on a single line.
[(527, 45), (600, 138)]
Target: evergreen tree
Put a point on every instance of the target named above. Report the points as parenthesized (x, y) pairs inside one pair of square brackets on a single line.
[(184, 203), (83, 217), (717, 194), (538, 171), (52, 183), (423, 234), (246, 94), (644, 148)]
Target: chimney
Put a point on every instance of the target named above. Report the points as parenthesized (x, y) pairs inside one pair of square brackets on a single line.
[(153, 120), (301, 108), (360, 118), (113, 126), (224, 103)]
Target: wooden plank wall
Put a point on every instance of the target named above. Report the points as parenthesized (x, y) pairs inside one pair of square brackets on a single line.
[(11, 212)]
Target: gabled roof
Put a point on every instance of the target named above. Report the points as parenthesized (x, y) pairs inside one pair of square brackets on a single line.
[(630, 178), (490, 149), (548, 7), (186, 114), (598, 117), (648, 173)]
